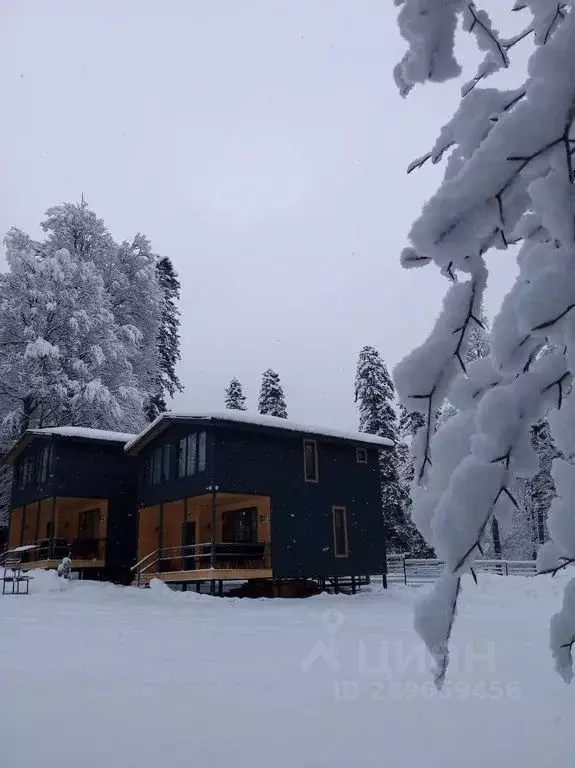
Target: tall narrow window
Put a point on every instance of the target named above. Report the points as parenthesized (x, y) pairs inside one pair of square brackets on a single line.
[(157, 466), (43, 466), (165, 463), (192, 454), (310, 463), (202, 452), (361, 455), (339, 532), (20, 473), (182, 444)]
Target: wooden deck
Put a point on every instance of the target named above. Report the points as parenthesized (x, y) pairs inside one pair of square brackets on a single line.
[(213, 574), (76, 564)]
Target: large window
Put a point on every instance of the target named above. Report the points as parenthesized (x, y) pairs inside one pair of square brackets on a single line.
[(157, 466), (44, 464), (192, 454), (310, 463), (240, 526), (340, 548), (34, 468)]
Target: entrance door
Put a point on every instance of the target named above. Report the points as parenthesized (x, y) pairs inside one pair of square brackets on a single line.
[(189, 539)]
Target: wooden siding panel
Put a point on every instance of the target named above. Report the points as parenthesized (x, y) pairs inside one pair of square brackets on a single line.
[(173, 515), (30, 523), (46, 511), (148, 530), (15, 535)]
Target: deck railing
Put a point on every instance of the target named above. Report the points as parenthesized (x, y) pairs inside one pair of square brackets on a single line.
[(205, 556), (56, 549)]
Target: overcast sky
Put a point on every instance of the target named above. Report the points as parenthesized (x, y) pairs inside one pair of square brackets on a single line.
[(262, 146)]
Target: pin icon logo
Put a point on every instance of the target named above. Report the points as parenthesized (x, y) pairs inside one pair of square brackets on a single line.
[(326, 652), (332, 621)]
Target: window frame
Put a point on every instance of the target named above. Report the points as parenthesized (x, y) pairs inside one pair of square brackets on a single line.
[(334, 510), (359, 451), (310, 441), (182, 458), (166, 463)]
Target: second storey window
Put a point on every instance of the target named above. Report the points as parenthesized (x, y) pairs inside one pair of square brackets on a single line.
[(192, 454), (310, 462), (158, 466)]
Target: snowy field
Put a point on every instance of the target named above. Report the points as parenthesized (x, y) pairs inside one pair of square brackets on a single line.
[(96, 675)]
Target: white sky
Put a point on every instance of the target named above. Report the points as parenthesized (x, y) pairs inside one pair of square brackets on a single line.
[(259, 144)]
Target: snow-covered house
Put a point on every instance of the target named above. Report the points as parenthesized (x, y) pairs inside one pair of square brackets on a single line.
[(73, 493), (201, 498), (231, 495)]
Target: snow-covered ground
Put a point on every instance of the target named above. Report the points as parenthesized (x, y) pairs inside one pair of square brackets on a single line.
[(96, 675)]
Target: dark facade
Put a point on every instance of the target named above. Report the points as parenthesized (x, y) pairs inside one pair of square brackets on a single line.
[(253, 460), (192, 496), (58, 481)]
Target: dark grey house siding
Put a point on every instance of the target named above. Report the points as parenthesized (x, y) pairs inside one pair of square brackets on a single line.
[(248, 461), (90, 469), (176, 488), (301, 512)]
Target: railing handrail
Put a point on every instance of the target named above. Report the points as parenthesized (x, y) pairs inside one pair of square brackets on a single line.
[(189, 550), (143, 560)]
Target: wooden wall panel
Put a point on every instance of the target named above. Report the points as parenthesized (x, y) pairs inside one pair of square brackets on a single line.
[(15, 534), (172, 522), (30, 523), (148, 530), (45, 518)]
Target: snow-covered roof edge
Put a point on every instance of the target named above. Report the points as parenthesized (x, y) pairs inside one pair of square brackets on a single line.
[(257, 420), (86, 433), (82, 433)]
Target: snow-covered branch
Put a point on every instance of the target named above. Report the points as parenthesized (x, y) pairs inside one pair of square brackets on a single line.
[(508, 180)]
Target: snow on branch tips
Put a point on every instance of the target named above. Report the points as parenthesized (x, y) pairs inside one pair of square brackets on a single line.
[(508, 180), (423, 378)]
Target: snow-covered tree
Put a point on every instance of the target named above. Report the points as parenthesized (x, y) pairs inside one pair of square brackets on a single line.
[(168, 339), (63, 359), (235, 398), (375, 395), (272, 399), (141, 292), (130, 274), (408, 425), (508, 180)]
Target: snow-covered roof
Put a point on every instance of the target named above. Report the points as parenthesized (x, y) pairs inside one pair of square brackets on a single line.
[(256, 419), (85, 432)]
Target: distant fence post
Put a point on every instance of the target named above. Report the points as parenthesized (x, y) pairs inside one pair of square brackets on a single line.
[(506, 568), (404, 572)]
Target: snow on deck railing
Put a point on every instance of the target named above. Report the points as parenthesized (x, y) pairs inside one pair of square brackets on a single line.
[(418, 570)]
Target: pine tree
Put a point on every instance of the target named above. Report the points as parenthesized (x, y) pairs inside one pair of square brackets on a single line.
[(272, 399), (168, 340), (374, 395), (235, 398)]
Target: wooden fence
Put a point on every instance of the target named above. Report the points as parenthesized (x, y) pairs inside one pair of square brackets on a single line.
[(419, 571)]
